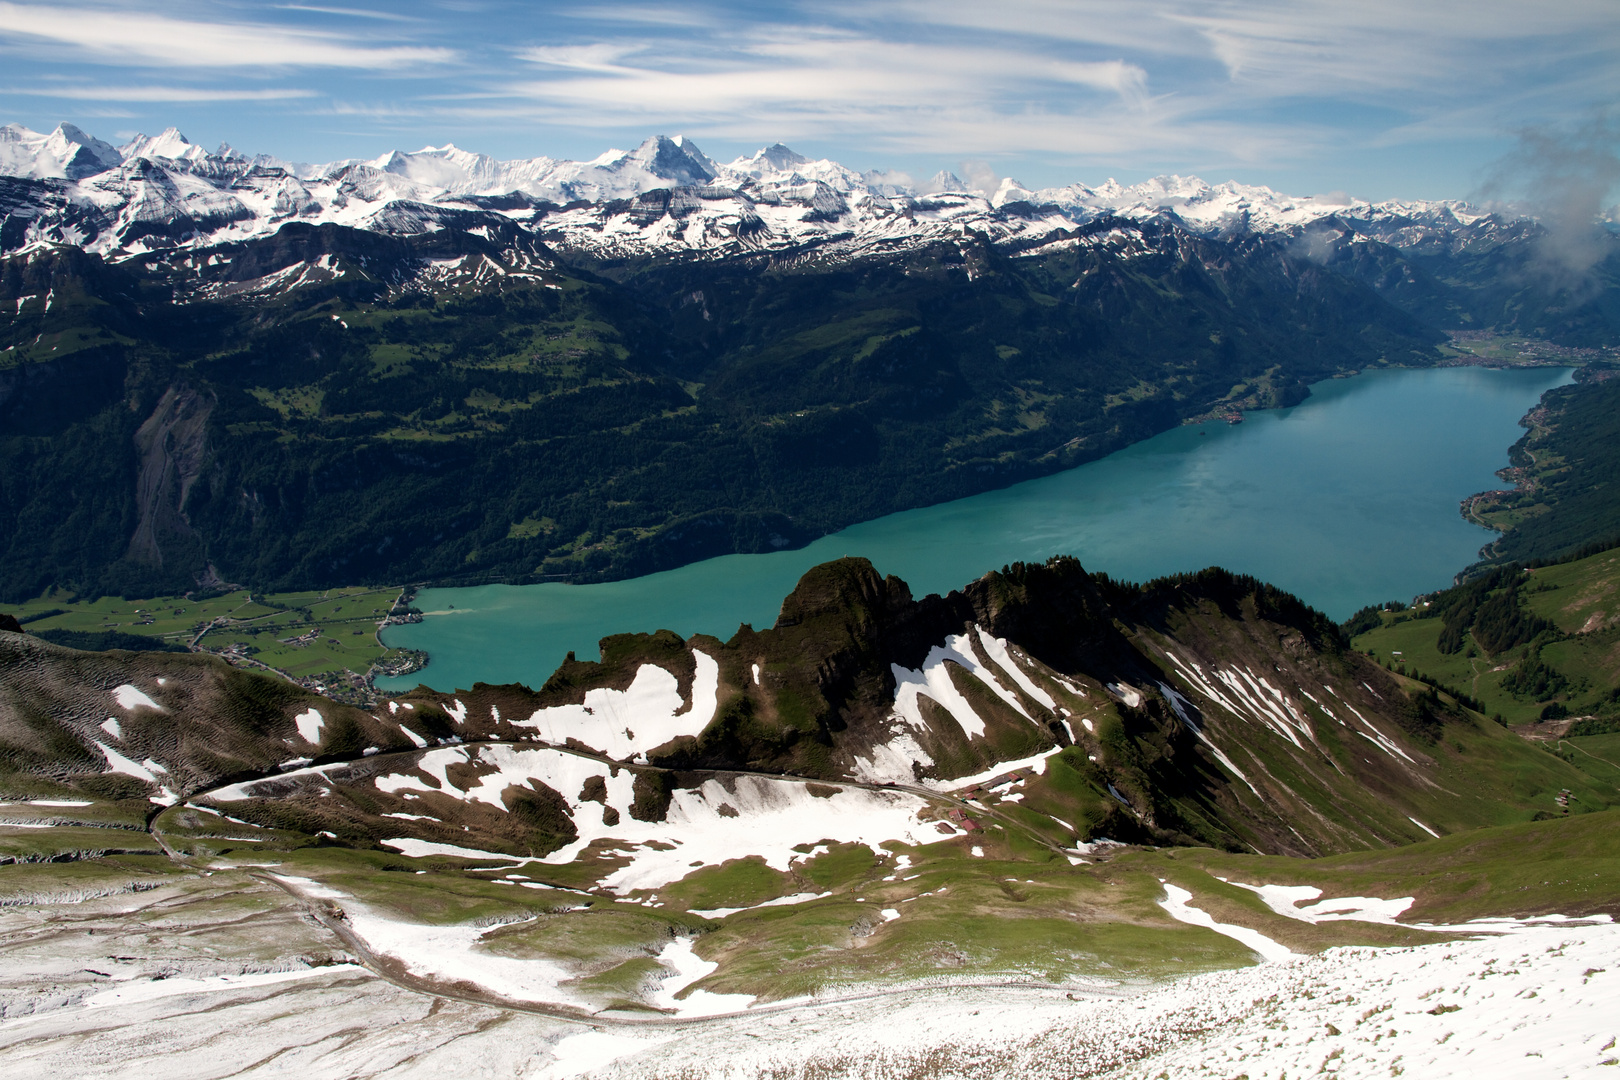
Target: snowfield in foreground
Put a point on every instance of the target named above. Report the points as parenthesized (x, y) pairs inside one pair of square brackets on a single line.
[(1537, 1003)]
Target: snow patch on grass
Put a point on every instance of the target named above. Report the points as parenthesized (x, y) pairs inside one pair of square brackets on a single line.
[(689, 967), (891, 762), (624, 723), (780, 901), (996, 649), (412, 848), (1285, 900), (244, 790), (1035, 763), (129, 698), (1422, 826), (118, 763), (453, 954), (1128, 694), (933, 680), (591, 1050), (762, 816), (309, 724), (1176, 904)]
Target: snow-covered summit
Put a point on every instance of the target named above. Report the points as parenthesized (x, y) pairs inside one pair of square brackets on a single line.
[(66, 153), (171, 145), (165, 191)]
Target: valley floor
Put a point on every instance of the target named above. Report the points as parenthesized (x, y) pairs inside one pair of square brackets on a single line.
[(202, 1002)]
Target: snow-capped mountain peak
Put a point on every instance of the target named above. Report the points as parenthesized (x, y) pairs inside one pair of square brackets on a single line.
[(946, 182), (170, 144), (778, 157), (677, 159), (165, 192), (66, 153)]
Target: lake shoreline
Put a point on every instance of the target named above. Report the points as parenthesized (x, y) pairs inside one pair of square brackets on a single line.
[(1251, 497)]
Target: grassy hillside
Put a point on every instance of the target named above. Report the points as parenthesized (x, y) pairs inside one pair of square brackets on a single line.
[(326, 638), (1207, 709), (1209, 722), (1523, 643), (970, 908)]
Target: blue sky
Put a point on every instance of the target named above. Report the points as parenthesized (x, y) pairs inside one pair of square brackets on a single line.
[(1377, 98)]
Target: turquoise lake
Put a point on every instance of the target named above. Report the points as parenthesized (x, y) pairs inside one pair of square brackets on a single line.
[(1348, 499)]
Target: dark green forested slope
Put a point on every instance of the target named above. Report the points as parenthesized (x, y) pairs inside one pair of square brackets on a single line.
[(581, 426), (1568, 469)]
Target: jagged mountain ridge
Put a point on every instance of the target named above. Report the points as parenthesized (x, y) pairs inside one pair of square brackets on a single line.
[(664, 197), (1205, 709)]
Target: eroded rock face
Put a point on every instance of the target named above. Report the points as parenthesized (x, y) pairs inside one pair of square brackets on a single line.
[(171, 446)]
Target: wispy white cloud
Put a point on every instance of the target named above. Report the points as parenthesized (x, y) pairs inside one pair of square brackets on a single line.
[(1326, 45), (600, 57), (117, 36), (805, 70), (354, 13), (158, 93), (685, 15), (1056, 87), (1196, 81), (1310, 47)]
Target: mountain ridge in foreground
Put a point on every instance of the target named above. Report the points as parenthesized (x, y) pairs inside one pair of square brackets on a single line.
[(1208, 709), (1045, 783)]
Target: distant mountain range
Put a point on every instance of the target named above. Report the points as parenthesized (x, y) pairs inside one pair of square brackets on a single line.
[(163, 193), (439, 366)]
